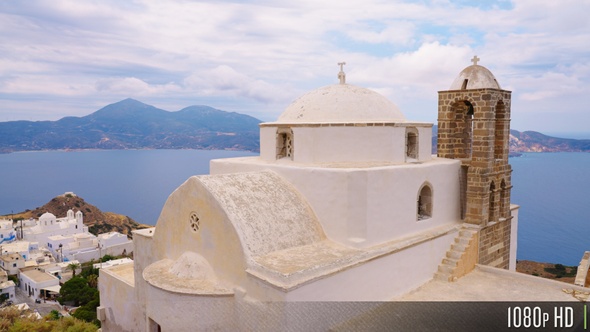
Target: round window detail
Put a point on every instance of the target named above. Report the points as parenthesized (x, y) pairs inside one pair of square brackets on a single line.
[(194, 222)]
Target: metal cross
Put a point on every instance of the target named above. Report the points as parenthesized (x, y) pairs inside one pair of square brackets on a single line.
[(475, 60)]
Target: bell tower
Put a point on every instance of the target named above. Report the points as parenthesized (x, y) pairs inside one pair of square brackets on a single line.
[(474, 127)]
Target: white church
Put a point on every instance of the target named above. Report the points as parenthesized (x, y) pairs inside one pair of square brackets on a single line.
[(345, 203)]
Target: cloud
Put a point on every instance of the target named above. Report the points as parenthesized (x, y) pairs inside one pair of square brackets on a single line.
[(131, 86), (223, 80), (258, 56)]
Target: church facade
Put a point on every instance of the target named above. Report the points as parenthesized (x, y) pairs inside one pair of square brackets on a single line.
[(345, 203)]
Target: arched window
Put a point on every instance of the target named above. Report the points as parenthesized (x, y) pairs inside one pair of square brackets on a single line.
[(425, 202), (500, 131), (503, 211), (284, 143), (462, 133), (492, 205), (411, 143)]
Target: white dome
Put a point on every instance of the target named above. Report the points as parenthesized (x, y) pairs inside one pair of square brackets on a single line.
[(47, 216), (475, 77), (341, 103), (191, 265)]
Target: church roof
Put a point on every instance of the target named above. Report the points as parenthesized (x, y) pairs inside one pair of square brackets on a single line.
[(339, 103), (475, 77)]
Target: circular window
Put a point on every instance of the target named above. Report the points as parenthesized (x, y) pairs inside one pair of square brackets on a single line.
[(194, 222)]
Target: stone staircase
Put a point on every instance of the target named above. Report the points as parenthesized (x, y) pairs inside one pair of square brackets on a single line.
[(461, 257)]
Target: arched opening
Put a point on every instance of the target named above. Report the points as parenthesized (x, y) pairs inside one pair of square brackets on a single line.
[(284, 143), (425, 202), (501, 131), (464, 85), (504, 212), (411, 143), (462, 132), (492, 204)]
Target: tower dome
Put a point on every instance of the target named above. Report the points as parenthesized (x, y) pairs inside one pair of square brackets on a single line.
[(340, 103), (475, 77)]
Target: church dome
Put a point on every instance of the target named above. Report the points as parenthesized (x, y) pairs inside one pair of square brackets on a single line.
[(475, 77), (47, 216), (340, 103)]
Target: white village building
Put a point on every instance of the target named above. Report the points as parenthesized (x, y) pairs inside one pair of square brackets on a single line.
[(7, 231), (7, 287), (85, 247), (344, 203), (11, 263), (36, 283), (49, 225)]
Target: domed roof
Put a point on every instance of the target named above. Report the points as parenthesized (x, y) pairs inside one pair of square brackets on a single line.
[(191, 265), (47, 216), (475, 77), (341, 103)]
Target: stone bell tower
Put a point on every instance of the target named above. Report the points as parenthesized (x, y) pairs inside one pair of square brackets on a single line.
[(474, 127)]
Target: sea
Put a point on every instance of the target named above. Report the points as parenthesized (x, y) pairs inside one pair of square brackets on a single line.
[(552, 189)]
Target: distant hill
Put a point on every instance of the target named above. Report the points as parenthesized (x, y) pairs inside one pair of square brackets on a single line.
[(130, 124), (97, 221), (532, 141)]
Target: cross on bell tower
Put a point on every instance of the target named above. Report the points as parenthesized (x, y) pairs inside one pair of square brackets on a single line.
[(475, 60)]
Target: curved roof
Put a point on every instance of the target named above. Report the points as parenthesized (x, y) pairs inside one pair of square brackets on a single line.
[(341, 103), (47, 216), (266, 211), (476, 77)]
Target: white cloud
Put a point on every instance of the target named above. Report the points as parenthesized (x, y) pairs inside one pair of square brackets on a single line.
[(259, 55), (226, 81), (132, 86)]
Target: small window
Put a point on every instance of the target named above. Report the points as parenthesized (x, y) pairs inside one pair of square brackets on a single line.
[(412, 143), (284, 143), (194, 222), (425, 203)]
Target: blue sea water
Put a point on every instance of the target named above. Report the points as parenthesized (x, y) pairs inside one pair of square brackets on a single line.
[(135, 183), (553, 189)]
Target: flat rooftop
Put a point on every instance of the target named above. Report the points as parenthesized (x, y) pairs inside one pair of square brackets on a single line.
[(492, 284), (37, 275), (123, 272)]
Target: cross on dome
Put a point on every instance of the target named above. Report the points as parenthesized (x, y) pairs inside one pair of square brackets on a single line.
[(475, 60), (341, 74)]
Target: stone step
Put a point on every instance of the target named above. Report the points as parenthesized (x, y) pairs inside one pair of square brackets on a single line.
[(450, 261), (445, 269), (443, 276), (454, 254), (462, 240), (458, 247), (466, 233)]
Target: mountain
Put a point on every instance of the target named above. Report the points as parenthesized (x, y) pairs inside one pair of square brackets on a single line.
[(130, 124), (97, 221), (532, 141)]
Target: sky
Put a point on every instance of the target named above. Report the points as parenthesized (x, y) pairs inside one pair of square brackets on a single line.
[(72, 57)]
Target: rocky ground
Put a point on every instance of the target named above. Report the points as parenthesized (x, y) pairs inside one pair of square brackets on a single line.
[(547, 270)]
